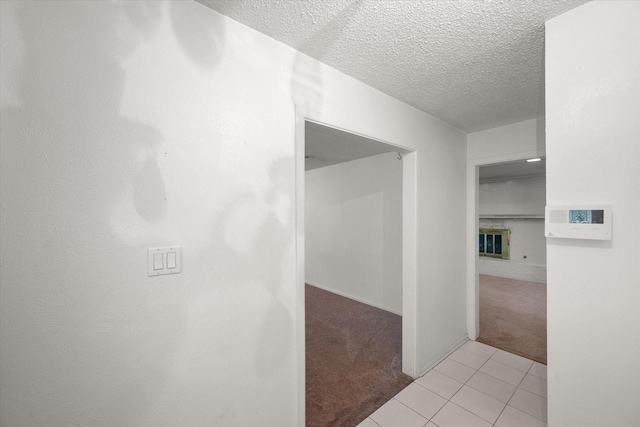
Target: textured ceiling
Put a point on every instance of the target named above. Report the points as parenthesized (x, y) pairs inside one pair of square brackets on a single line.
[(473, 64)]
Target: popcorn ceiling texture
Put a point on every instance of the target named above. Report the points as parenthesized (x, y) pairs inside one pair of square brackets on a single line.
[(473, 64)]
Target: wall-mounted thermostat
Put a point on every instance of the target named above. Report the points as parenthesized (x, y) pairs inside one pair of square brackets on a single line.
[(578, 222)]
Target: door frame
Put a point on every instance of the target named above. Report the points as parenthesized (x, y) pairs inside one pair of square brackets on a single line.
[(473, 223), (409, 256)]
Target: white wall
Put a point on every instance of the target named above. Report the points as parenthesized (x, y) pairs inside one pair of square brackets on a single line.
[(513, 204), (516, 141), (126, 125), (593, 134), (505, 143), (353, 230), (519, 196)]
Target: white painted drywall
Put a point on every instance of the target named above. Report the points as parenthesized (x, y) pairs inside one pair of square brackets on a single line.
[(503, 143), (126, 125), (523, 196), (593, 147), (353, 230), (511, 204), (516, 141)]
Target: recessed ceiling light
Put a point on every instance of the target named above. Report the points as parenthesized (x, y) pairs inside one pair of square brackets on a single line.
[(537, 159)]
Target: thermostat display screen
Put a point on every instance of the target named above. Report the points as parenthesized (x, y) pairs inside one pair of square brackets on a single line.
[(586, 216)]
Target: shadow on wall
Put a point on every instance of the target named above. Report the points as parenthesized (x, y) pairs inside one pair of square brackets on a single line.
[(72, 333), (256, 235), (202, 42)]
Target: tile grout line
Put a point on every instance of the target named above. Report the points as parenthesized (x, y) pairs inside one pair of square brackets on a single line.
[(393, 398), (505, 405), (479, 391), (514, 393), (463, 384), (478, 370), (466, 383)]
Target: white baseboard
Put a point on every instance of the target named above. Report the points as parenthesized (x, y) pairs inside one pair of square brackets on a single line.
[(362, 300), (513, 270)]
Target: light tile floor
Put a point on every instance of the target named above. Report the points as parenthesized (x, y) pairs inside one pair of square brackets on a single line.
[(477, 385)]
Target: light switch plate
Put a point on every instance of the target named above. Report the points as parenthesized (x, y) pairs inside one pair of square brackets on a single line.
[(164, 260)]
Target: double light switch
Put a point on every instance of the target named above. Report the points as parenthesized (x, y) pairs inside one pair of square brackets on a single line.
[(164, 260)]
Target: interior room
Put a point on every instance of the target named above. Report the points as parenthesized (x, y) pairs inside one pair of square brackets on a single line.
[(513, 258), (152, 218), (353, 275)]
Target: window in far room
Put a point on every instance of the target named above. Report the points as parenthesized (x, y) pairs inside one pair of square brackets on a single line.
[(494, 243)]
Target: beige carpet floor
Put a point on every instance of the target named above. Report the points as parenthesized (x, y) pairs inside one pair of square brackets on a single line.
[(353, 358), (513, 316)]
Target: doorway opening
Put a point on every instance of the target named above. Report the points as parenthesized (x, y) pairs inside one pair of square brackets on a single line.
[(363, 193), (511, 258)]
